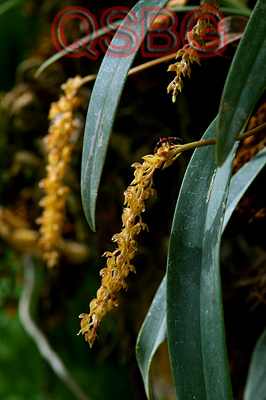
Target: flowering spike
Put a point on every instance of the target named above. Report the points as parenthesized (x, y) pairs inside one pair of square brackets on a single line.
[(118, 263), (63, 126), (194, 36)]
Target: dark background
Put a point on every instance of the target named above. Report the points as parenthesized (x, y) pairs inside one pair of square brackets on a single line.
[(145, 115)]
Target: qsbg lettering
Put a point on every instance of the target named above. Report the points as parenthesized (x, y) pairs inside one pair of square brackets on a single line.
[(160, 24)]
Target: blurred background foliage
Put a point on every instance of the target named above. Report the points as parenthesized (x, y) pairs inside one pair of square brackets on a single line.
[(145, 114)]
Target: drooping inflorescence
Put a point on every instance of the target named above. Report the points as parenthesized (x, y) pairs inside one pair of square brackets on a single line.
[(119, 262), (61, 136), (189, 53)]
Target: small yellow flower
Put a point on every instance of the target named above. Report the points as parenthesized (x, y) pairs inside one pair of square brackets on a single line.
[(58, 140), (118, 262), (183, 67)]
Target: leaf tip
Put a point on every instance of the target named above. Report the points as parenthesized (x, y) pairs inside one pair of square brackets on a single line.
[(220, 159)]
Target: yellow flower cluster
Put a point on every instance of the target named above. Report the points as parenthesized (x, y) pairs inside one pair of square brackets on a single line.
[(183, 67), (118, 264), (62, 131)]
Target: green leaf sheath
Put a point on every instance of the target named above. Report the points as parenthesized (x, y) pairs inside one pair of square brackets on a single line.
[(151, 335), (245, 82), (195, 323), (102, 109)]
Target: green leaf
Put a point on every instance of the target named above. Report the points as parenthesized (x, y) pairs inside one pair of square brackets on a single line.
[(195, 325), (255, 388), (146, 348), (7, 5), (238, 5), (151, 335), (237, 8), (70, 49), (245, 82), (241, 182), (102, 109)]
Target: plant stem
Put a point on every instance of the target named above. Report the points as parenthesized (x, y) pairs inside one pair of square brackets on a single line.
[(202, 143)]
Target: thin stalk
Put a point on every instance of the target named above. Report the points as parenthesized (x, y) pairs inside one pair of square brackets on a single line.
[(202, 143)]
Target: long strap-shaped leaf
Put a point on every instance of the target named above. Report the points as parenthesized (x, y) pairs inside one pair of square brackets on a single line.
[(155, 320), (256, 381), (72, 48), (245, 82), (195, 323), (103, 105), (7, 5), (241, 182), (151, 335), (238, 8), (234, 4)]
